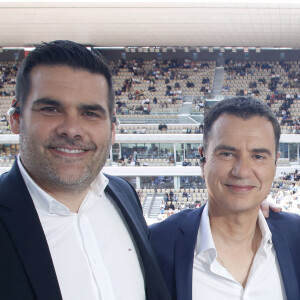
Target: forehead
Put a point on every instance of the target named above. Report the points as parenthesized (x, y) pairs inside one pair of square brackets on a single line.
[(62, 82), (234, 131)]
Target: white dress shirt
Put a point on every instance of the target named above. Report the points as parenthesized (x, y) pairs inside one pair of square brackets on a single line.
[(212, 281), (93, 253)]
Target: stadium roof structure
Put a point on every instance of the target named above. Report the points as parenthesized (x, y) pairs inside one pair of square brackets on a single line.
[(274, 24)]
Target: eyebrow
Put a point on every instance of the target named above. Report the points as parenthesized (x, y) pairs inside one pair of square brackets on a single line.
[(233, 149), (224, 147), (47, 101)]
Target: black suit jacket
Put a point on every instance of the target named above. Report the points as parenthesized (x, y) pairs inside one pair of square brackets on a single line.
[(174, 240), (26, 267)]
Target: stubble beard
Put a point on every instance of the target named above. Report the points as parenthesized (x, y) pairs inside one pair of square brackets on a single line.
[(45, 171)]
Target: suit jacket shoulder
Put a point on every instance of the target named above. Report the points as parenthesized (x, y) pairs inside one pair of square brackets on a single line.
[(175, 227), (173, 241), (27, 270), (285, 228)]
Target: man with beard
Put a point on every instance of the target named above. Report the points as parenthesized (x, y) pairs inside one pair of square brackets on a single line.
[(67, 230)]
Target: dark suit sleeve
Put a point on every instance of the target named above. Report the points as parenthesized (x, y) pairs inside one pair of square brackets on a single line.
[(285, 228), (14, 282), (27, 270)]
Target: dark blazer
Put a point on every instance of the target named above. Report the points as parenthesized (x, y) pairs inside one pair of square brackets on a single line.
[(174, 243), (26, 267)]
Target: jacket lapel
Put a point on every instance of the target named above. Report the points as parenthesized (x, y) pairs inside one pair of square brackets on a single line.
[(184, 255), (128, 212), (154, 282), (22, 222)]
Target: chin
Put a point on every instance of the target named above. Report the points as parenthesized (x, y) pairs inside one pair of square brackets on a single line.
[(243, 208)]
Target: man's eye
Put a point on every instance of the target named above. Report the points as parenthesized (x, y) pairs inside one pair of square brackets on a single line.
[(259, 157), (48, 109), (226, 154), (91, 114)]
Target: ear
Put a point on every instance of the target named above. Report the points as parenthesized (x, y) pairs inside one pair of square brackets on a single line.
[(202, 171), (14, 120), (114, 124), (201, 152), (277, 157)]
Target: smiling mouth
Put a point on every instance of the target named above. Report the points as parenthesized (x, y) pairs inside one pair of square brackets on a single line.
[(71, 151), (74, 153), (239, 188)]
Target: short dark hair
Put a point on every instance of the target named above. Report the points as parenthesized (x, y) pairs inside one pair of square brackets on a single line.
[(242, 107), (62, 53)]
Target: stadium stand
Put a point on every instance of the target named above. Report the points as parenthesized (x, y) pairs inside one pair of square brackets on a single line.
[(150, 98)]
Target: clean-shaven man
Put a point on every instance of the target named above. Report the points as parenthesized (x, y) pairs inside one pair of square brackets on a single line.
[(226, 250)]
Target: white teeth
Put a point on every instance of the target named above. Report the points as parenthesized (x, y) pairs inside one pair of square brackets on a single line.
[(70, 150)]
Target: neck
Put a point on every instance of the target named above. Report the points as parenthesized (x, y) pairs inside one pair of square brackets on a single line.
[(237, 237), (232, 225), (69, 197), (235, 234), (71, 200)]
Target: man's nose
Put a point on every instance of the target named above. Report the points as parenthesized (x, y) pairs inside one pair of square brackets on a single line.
[(242, 167), (70, 126)]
